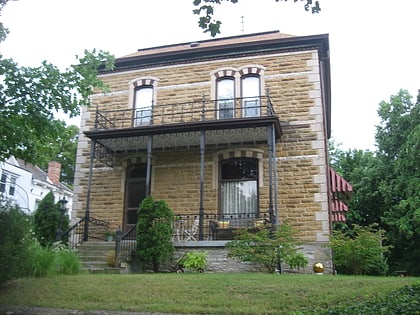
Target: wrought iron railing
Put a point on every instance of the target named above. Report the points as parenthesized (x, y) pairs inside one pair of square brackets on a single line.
[(125, 246), (76, 233), (186, 112)]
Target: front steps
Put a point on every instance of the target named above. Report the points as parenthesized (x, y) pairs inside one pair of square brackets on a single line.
[(94, 257)]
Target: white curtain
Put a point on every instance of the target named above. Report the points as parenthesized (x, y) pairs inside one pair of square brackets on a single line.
[(239, 197)]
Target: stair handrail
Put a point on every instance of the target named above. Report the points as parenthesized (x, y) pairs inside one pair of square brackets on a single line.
[(75, 234), (125, 244)]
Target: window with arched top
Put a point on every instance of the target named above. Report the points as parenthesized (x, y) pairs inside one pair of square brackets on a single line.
[(143, 105), (238, 183), (238, 91), (251, 96), (225, 91)]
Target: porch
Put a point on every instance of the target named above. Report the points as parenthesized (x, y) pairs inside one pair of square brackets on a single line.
[(194, 127)]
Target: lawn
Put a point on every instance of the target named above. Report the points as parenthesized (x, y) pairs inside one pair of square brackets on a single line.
[(191, 293)]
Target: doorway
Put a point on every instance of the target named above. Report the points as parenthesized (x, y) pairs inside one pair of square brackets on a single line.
[(135, 191)]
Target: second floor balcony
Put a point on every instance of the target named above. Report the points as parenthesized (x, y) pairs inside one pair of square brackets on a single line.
[(238, 121)]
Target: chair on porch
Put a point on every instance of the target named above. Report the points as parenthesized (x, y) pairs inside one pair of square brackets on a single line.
[(191, 235)]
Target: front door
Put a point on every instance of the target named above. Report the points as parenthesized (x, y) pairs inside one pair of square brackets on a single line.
[(135, 191)]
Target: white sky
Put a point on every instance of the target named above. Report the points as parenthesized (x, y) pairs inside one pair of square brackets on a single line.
[(373, 43)]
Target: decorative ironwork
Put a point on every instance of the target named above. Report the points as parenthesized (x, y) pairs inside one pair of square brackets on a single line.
[(104, 154)]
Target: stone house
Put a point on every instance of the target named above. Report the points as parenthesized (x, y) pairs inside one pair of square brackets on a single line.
[(231, 133)]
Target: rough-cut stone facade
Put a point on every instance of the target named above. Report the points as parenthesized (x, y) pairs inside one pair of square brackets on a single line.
[(294, 82)]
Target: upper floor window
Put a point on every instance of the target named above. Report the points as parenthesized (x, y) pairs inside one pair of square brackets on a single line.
[(143, 105), (251, 96), (238, 91), (225, 98), (8, 184)]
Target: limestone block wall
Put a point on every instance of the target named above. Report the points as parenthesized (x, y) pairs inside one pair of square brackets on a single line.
[(294, 83)]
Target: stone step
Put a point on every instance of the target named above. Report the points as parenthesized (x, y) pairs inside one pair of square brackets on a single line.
[(94, 256)]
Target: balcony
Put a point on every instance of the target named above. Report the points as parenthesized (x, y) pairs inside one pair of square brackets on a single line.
[(228, 122)]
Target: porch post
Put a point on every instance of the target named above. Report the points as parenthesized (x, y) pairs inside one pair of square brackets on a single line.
[(149, 164), (270, 172), (201, 213), (275, 210), (89, 188)]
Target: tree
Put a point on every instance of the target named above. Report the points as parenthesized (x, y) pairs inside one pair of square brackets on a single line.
[(62, 150), (205, 12), (385, 182), (30, 96), (361, 169), (265, 247), (47, 220), (154, 233), (398, 140)]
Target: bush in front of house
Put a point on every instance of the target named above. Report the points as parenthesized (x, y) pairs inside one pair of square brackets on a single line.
[(15, 240), (47, 220), (266, 248), (154, 234), (359, 251)]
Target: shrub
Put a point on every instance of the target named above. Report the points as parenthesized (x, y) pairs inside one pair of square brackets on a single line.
[(265, 247), (66, 261), (195, 260), (47, 218), (154, 233), (297, 260), (404, 301), (359, 252), (15, 237)]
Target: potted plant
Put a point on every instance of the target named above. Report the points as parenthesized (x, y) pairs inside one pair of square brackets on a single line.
[(109, 235)]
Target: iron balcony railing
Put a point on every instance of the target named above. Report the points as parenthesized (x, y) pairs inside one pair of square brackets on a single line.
[(186, 112)]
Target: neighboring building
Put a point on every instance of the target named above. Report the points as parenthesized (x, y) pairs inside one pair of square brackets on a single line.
[(25, 185), (231, 133)]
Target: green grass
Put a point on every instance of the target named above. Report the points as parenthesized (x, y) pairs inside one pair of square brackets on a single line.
[(193, 293)]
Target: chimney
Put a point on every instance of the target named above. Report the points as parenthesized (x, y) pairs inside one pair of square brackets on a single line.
[(54, 170)]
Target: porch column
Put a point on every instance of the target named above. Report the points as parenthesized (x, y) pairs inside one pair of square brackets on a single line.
[(275, 204), (270, 142), (201, 212), (149, 164), (89, 188)]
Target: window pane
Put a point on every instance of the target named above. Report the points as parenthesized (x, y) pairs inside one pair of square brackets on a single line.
[(239, 187), (251, 96), (225, 97), (239, 197), (239, 169), (143, 105)]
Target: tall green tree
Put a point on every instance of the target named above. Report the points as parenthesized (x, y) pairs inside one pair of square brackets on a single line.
[(205, 11), (398, 141), (361, 169), (31, 96)]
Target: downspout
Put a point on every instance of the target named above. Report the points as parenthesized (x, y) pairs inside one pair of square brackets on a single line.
[(89, 189), (270, 173), (149, 164), (201, 211)]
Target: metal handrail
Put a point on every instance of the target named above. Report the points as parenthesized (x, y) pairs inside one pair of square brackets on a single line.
[(185, 112)]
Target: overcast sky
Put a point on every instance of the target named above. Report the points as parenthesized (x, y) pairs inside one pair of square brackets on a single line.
[(373, 43)]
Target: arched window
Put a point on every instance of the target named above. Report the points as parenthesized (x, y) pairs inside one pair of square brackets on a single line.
[(251, 96), (225, 98), (239, 187), (143, 104)]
